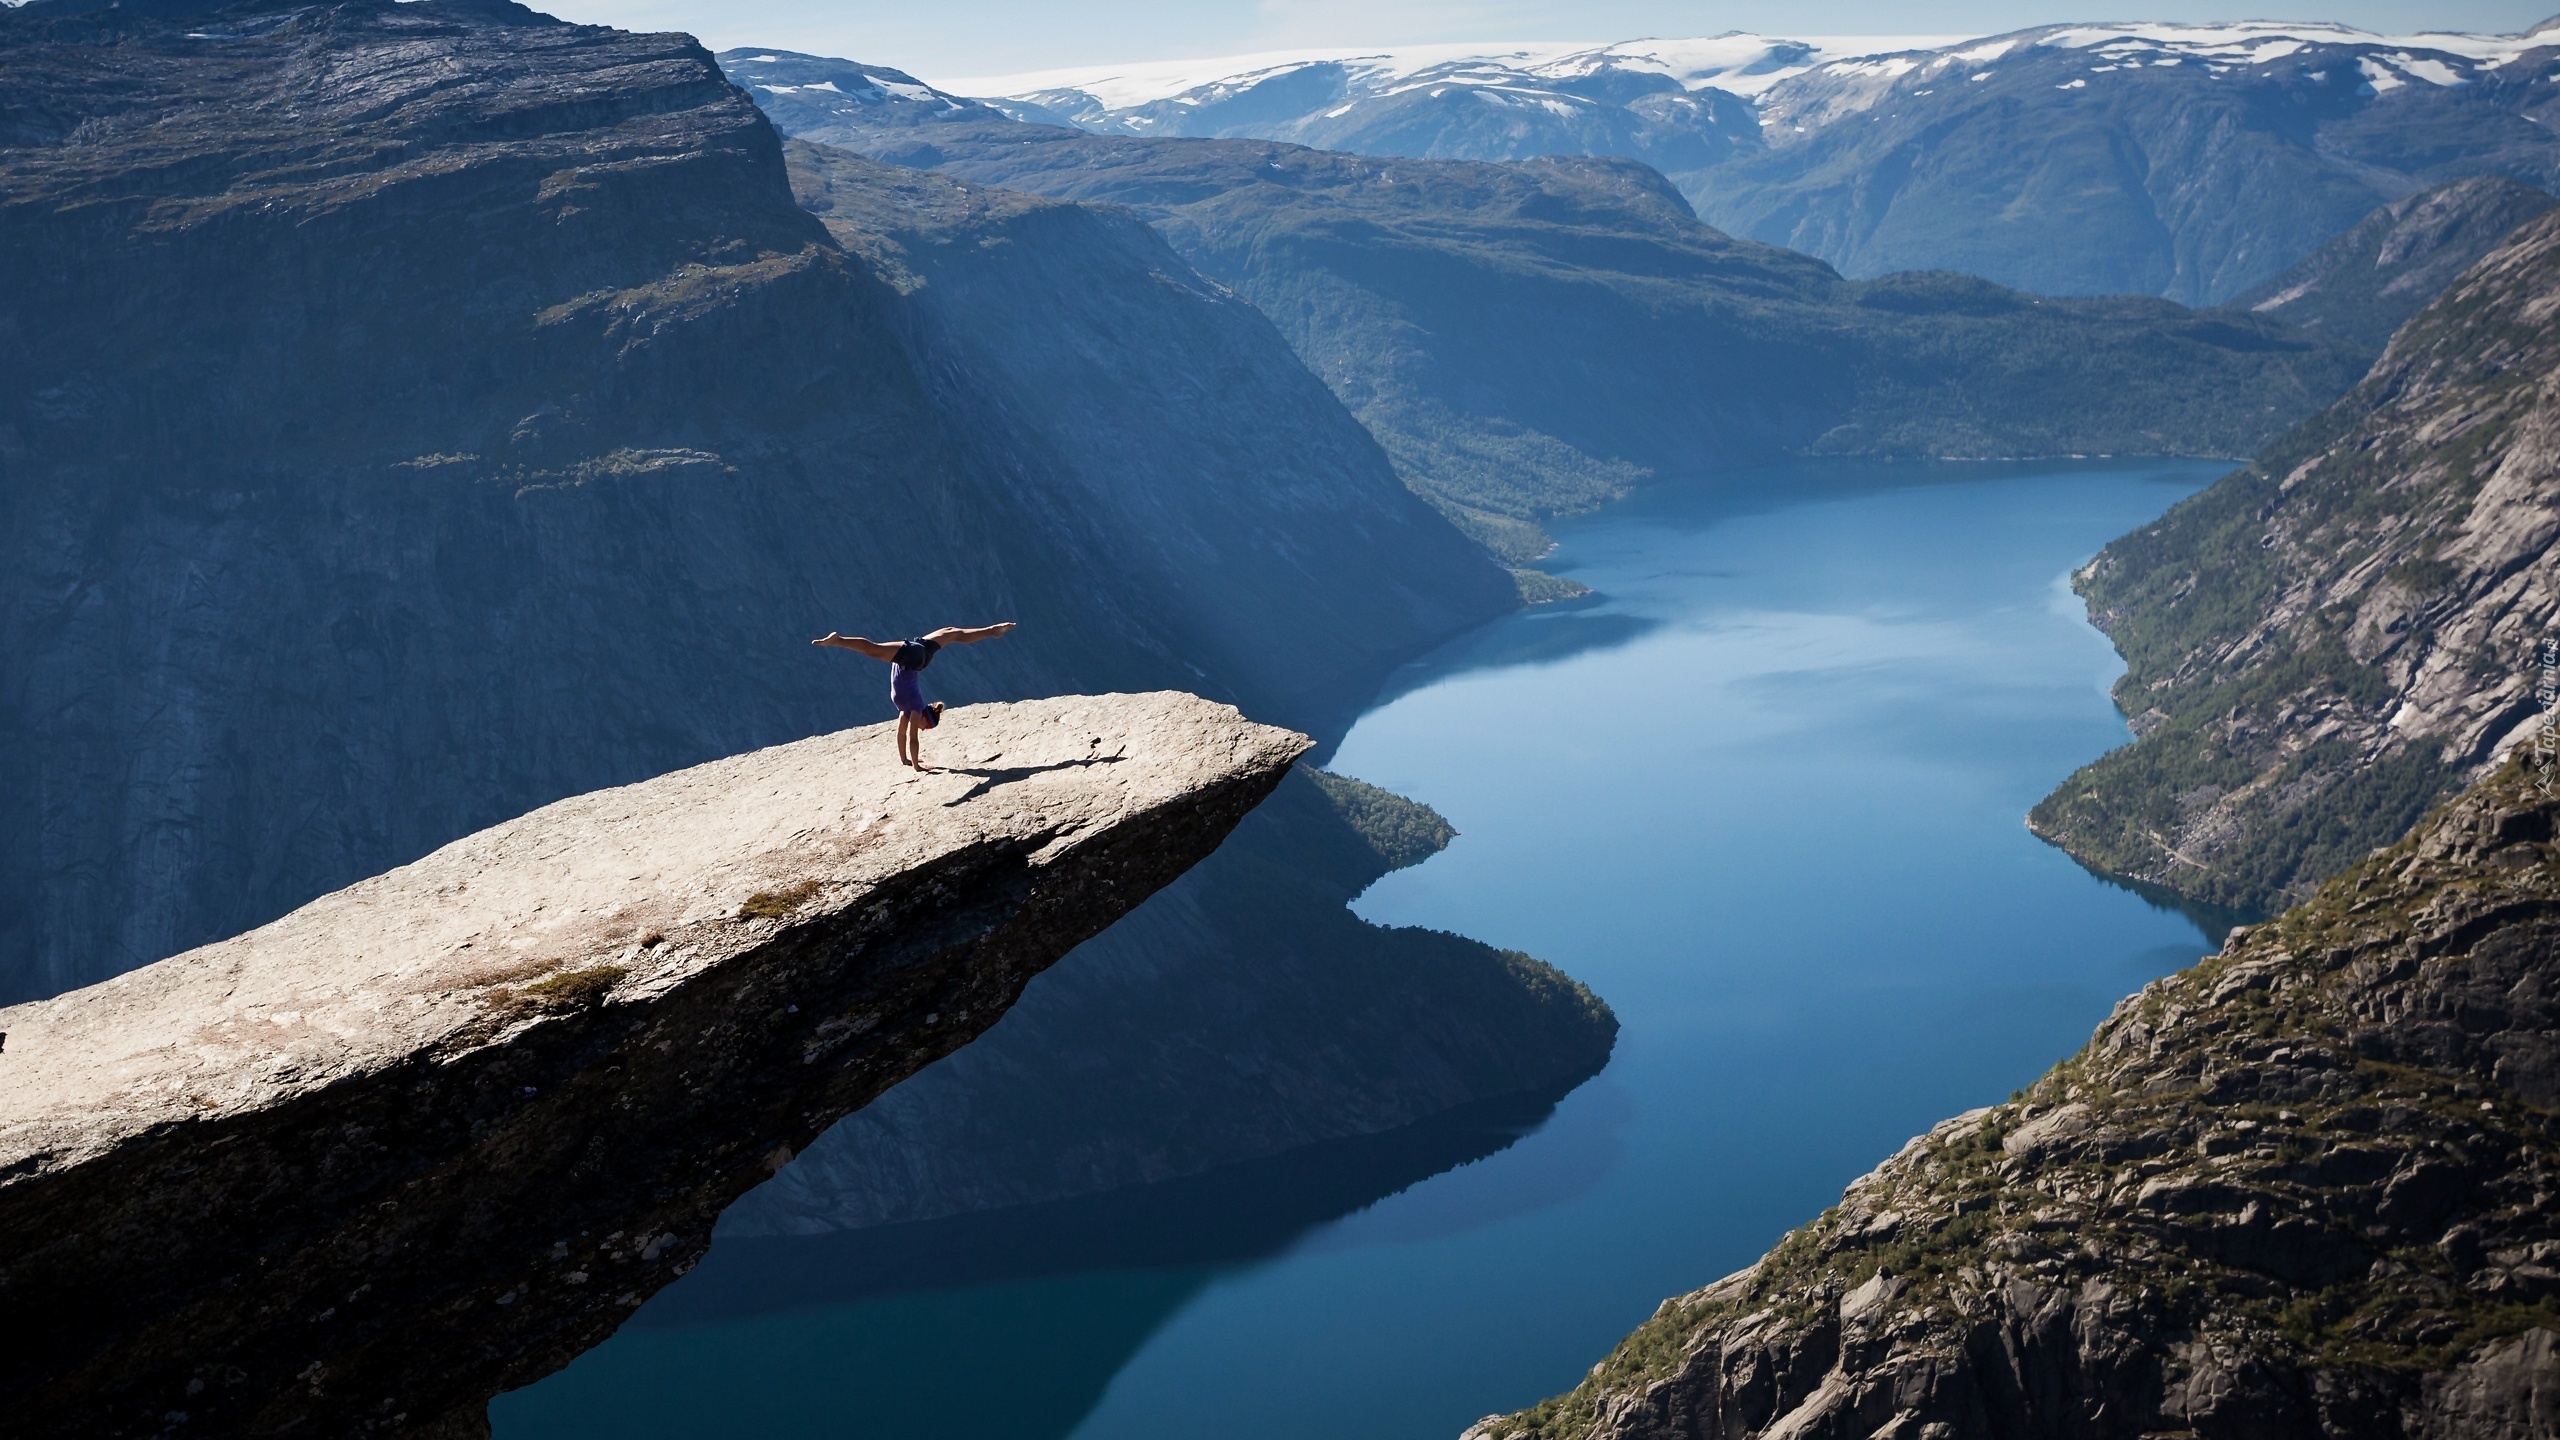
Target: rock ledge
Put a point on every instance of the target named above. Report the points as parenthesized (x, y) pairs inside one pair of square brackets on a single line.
[(428, 1137)]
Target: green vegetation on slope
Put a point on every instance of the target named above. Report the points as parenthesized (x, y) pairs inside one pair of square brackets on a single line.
[(2281, 1168), (1529, 340), (2366, 283), (1403, 832), (2325, 643)]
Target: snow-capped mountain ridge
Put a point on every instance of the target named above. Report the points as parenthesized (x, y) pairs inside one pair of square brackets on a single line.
[(1687, 105), (1999, 155), (1737, 62)]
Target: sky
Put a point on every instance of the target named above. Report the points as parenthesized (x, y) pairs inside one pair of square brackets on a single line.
[(949, 39)]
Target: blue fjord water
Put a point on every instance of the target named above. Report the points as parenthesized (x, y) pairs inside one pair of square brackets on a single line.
[(1763, 793)]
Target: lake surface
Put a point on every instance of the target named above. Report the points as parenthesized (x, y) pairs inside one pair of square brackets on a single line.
[(1762, 793)]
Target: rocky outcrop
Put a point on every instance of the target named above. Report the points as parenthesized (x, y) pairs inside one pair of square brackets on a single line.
[(2304, 1189), (2324, 644), (2368, 282), (430, 1136)]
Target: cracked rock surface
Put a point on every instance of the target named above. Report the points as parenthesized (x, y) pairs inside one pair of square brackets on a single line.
[(2308, 1188), (430, 1136)]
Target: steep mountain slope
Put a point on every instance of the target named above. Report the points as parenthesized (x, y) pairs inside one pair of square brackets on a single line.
[(2303, 1189), (2322, 645), (1531, 339), (432, 409), (2369, 281)]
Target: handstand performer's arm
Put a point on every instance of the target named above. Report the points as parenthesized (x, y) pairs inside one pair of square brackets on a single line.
[(967, 635), (872, 648)]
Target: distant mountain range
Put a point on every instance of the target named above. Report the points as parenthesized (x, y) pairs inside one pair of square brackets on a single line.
[(1531, 339), (2189, 161)]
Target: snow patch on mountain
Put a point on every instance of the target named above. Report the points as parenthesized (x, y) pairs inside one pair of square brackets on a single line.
[(1740, 63), (1560, 76)]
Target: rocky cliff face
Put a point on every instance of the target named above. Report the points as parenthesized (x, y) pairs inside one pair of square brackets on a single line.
[(1531, 339), (2368, 282), (428, 1137), (432, 410), (2324, 644), (2306, 1188), (429, 410)]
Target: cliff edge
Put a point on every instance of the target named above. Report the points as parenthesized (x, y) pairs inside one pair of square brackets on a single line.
[(2303, 1189), (430, 1136)]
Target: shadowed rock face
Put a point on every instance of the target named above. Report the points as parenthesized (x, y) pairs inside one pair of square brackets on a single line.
[(430, 1136), (2309, 1188), (2369, 281), (445, 410), (420, 412)]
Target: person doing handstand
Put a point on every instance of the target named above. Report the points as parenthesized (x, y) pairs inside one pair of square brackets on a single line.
[(907, 659)]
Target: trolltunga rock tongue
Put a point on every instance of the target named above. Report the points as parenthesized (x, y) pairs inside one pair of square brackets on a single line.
[(429, 1137)]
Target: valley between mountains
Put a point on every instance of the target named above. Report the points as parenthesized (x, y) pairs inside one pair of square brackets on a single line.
[(2307, 1186)]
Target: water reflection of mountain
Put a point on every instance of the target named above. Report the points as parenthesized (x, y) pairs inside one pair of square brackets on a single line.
[(1004, 1323), (1234, 1214), (2216, 921)]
